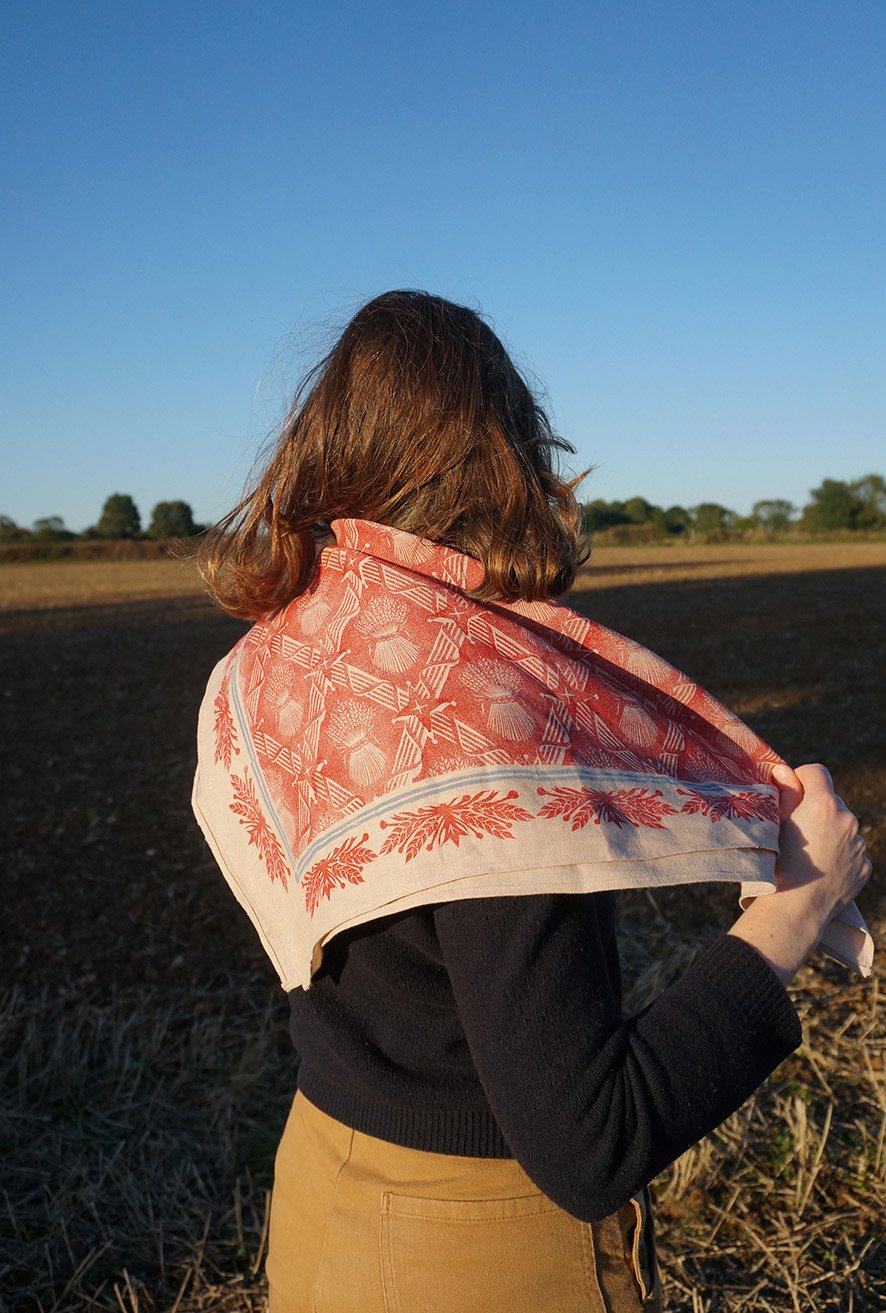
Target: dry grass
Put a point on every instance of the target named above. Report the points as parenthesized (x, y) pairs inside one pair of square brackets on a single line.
[(39, 584), (781, 1207), (672, 562), (138, 1134)]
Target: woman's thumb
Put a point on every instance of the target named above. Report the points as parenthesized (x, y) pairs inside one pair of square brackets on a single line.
[(790, 789)]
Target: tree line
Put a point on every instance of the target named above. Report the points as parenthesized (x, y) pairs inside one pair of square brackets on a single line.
[(119, 519), (834, 505)]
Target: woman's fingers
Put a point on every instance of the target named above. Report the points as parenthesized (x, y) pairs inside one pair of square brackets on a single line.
[(808, 780), (815, 775), (790, 790)]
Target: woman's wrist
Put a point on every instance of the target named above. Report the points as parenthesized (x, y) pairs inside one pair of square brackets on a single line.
[(784, 929)]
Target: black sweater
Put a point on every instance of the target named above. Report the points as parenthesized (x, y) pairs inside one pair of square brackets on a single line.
[(492, 1027)]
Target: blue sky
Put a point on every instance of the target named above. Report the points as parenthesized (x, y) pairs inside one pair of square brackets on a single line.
[(672, 213)]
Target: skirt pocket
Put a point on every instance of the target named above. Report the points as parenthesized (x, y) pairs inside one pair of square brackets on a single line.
[(511, 1255), (640, 1247)]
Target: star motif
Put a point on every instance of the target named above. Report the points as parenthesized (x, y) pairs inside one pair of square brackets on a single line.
[(351, 569), (572, 700), (305, 777), (420, 706), (323, 668), (457, 611), (571, 695)]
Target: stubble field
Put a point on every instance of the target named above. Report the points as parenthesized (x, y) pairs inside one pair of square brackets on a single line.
[(147, 1069)]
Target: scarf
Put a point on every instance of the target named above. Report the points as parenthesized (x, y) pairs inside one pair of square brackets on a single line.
[(385, 741)]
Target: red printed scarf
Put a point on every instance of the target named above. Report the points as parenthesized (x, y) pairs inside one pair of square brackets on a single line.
[(385, 741)]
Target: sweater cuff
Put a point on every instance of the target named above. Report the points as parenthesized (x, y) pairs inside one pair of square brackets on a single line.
[(739, 973)]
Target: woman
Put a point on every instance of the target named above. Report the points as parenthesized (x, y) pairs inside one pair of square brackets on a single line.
[(476, 1123)]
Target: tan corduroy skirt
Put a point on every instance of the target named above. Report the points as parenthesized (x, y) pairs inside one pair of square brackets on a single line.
[(360, 1225)]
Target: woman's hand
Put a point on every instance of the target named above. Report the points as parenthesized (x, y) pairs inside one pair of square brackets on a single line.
[(821, 867), (822, 857)]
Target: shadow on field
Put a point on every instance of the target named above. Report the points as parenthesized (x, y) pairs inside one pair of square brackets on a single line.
[(145, 1030), (148, 612), (658, 566)]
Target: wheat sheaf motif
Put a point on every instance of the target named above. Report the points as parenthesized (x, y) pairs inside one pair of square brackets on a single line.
[(500, 688), (351, 727), (382, 621), (286, 712)]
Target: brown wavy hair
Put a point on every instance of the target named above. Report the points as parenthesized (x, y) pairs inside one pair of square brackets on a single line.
[(416, 418)]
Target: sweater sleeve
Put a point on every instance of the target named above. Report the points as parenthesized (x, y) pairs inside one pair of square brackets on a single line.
[(591, 1104)]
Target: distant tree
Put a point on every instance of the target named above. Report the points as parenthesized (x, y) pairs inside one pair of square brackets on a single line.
[(119, 518), (870, 493), (638, 510), (172, 519), (773, 515), (834, 506), (677, 519), (710, 518), (600, 514), (657, 517), (10, 532), (51, 528)]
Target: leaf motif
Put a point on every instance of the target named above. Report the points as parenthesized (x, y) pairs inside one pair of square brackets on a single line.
[(563, 801), (643, 807), (340, 867), (246, 806), (225, 732), (696, 804), (446, 822), (636, 806), (739, 805)]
